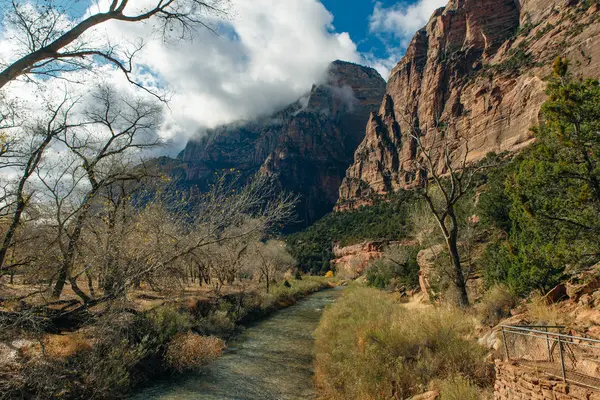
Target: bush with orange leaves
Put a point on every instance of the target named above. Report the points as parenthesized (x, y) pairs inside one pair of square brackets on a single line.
[(188, 351)]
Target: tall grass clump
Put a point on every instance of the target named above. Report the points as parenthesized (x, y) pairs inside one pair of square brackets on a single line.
[(369, 347), (496, 305), (188, 351), (460, 388), (542, 313)]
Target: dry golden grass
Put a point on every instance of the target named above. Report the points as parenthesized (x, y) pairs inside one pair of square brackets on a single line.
[(188, 351), (368, 346), (495, 305), (542, 313), (62, 346)]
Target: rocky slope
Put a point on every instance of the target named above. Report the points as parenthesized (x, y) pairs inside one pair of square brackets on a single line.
[(478, 66), (306, 147)]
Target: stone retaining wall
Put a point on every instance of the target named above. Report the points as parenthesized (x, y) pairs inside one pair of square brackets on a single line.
[(517, 382)]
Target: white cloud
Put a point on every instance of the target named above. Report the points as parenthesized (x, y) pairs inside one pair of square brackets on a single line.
[(402, 20), (384, 65), (269, 54)]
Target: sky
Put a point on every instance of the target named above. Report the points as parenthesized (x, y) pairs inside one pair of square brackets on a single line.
[(268, 54)]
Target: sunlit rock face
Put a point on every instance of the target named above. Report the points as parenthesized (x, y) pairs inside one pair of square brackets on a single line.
[(306, 146), (479, 66)]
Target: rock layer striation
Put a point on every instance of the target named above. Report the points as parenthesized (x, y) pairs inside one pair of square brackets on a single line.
[(479, 67), (306, 146)]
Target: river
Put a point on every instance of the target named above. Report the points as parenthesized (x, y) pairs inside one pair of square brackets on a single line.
[(272, 359)]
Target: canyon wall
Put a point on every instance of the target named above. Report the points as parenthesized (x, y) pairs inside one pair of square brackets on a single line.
[(306, 147), (479, 68)]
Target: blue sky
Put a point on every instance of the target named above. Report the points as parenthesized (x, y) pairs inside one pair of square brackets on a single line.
[(352, 16), (279, 49), (356, 18)]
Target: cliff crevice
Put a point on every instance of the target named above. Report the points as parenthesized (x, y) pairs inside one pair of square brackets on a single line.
[(479, 66)]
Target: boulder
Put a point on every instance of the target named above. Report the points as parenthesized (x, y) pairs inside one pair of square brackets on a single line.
[(351, 261), (431, 395), (557, 294), (587, 282)]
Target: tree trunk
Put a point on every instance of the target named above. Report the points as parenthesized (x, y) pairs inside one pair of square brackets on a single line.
[(69, 257), (60, 283), (10, 233), (30, 166), (459, 279), (90, 283), (73, 281)]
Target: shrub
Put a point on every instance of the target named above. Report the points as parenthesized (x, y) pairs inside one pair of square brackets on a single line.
[(329, 274), (496, 305), (60, 346), (398, 267), (188, 351), (161, 324), (368, 346), (218, 323)]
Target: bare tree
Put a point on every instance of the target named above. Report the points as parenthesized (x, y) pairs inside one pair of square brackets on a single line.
[(155, 238), (24, 157), (101, 151), (452, 178), (224, 222), (272, 261), (53, 44)]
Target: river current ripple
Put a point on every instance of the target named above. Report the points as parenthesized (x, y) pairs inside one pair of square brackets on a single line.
[(271, 360)]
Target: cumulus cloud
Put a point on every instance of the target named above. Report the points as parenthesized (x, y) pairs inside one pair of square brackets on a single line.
[(267, 55), (384, 65), (402, 20)]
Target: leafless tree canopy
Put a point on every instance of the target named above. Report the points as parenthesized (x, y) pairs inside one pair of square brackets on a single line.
[(53, 44)]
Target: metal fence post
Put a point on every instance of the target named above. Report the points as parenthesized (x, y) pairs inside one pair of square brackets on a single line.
[(548, 346), (562, 360), (505, 345)]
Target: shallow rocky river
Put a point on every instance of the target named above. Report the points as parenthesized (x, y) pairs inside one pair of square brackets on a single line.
[(269, 360)]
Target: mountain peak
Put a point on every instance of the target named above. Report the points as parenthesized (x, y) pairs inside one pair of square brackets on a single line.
[(305, 146)]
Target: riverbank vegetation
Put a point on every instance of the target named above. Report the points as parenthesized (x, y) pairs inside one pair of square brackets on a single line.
[(369, 346), (526, 225), (313, 247), (122, 347)]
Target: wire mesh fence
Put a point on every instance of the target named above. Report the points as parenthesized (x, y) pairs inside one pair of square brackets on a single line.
[(572, 358)]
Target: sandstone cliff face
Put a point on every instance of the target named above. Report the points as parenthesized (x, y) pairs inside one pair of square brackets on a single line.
[(306, 147), (479, 66), (351, 261)]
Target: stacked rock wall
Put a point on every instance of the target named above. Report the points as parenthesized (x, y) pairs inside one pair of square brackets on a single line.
[(518, 382)]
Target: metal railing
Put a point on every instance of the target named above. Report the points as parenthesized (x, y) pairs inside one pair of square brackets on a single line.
[(574, 359)]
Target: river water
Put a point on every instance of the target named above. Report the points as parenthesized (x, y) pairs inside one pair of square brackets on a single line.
[(269, 360)]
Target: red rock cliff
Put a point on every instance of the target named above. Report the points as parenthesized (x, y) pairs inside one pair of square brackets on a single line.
[(306, 147), (479, 66)]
